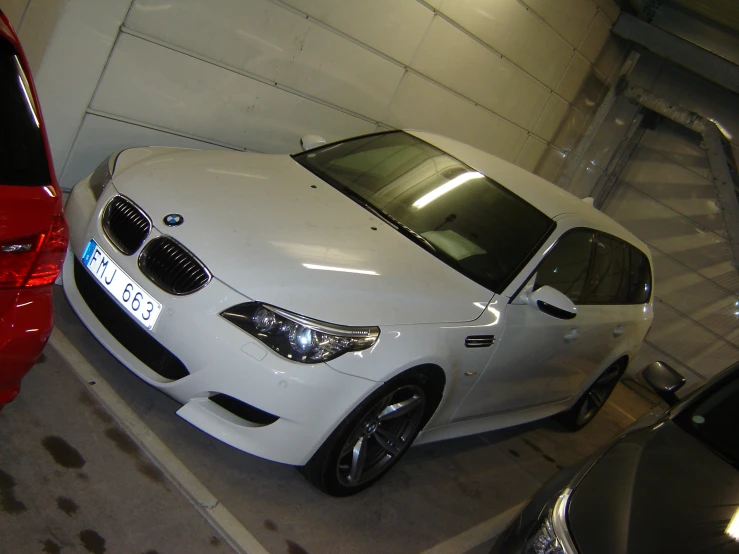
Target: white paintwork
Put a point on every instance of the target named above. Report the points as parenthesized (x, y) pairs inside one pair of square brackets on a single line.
[(553, 297), (262, 229), (312, 141), (99, 136)]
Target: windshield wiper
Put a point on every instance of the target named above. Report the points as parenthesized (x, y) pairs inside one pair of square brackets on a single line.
[(410, 233), (402, 227)]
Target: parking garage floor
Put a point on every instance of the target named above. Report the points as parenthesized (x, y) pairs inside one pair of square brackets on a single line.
[(78, 474)]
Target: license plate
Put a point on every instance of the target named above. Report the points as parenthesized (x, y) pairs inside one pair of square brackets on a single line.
[(125, 290)]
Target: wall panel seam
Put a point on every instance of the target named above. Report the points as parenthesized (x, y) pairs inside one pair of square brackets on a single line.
[(336, 31), (94, 93), (665, 353), (23, 16), (692, 221), (272, 83), (183, 134), (595, 15), (244, 73), (485, 45), (698, 323), (545, 22), (662, 156), (729, 292)]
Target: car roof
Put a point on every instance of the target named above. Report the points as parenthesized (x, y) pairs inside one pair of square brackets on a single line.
[(545, 196)]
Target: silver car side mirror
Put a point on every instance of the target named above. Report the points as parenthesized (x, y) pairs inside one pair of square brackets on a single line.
[(312, 141), (553, 303), (663, 380)]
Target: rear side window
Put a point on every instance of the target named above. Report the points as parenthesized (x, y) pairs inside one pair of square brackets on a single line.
[(22, 154), (608, 282), (640, 277), (595, 268)]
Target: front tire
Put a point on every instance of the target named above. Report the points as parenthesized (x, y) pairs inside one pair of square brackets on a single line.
[(371, 440), (593, 399)]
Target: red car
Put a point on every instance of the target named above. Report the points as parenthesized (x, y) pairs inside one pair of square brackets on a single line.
[(33, 232)]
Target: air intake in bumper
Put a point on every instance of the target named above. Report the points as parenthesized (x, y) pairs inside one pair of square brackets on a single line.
[(126, 331), (243, 410)]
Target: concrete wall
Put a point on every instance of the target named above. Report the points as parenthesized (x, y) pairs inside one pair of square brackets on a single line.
[(666, 197), (516, 78), (34, 22)]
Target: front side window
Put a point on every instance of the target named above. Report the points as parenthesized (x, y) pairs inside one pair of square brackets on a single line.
[(566, 266), (465, 219), (22, 153)]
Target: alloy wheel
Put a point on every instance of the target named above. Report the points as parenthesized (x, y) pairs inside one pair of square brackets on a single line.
[(382, 435), (598, 394)]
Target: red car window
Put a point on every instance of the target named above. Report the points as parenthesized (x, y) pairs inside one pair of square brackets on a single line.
[(22, 153)]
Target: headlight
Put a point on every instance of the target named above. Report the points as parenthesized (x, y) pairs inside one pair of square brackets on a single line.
[(103, 175), (299, 338), (553, 537)]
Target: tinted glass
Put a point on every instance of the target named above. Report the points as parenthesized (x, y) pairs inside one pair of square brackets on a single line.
[(22, 154), (566, 267), (473, 223), (640, 277), (608, 281)]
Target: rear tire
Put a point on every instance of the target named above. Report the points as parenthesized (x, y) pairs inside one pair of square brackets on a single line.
[(373, 437), (593, 399)]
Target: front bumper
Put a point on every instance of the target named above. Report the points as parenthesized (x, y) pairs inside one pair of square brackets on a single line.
[(309, 400)]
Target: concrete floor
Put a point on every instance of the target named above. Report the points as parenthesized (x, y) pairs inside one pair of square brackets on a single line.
[(52, 500)]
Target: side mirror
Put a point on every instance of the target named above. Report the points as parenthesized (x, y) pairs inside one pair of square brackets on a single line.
[(312, 141), (553, 303), (663, 380)]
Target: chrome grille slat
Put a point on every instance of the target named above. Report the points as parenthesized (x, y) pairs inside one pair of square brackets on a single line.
[(173, 267), (125, 224), (479, 341)]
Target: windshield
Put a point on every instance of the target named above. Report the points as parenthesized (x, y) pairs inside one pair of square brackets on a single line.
[(712, 418), (465, 219), (22, 153)]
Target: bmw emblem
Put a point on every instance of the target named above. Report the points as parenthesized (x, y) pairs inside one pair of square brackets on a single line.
[(173, 220)]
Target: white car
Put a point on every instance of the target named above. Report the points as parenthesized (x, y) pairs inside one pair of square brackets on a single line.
[(330, 308)]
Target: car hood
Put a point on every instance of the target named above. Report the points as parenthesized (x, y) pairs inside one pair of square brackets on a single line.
[(656, 490), (275, 232)]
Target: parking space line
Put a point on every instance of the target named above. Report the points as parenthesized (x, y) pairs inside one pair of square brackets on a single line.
[(237, 536), (478, 534), (624, 412)]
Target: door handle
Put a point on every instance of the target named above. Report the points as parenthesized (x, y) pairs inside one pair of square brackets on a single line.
[(618, 331), (572, 335)]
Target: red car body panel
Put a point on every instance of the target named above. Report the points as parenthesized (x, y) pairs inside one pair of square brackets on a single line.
[(26, 210)]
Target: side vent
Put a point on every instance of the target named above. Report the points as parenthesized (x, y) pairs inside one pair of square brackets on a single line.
[(479, 341)]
